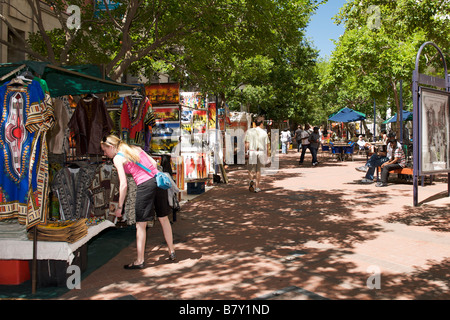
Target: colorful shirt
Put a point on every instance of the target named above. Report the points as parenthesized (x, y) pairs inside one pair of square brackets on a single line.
[(133, 120), (25, 119)]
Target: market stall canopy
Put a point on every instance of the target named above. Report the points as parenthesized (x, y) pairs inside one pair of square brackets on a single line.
[(407, 116), (65, 80), (347, 115)]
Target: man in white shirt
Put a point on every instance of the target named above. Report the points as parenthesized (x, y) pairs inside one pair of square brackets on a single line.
[(305, 142), (285, 139), (257, 148)]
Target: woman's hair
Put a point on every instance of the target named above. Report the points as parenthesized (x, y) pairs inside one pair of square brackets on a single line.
[(165, 164), (130, 152)]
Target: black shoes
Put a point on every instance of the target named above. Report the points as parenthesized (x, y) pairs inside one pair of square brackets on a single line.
[(172, 256), (133, 266)]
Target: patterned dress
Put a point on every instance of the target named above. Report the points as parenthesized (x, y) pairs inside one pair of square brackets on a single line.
[(135, 117), (26, 116)]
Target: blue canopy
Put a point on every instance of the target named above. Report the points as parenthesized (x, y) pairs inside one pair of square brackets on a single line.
[(347, 115), (407, 115)]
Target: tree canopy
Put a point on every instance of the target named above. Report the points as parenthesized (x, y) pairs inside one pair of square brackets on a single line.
[(250, 52), (379, 47)]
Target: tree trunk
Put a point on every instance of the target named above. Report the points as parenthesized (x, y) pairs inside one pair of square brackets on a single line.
[(397, 103)]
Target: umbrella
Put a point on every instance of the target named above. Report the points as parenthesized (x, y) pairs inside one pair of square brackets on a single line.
[(347, 115), (407, 116)]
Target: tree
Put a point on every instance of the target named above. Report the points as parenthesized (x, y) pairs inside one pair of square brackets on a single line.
[(131, 32), (379, 47), (216, 46)]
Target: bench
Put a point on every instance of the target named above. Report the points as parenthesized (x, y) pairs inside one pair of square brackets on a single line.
[(406, 171)]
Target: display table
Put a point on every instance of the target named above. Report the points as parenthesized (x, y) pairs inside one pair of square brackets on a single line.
[(48, 250), (52, 258)]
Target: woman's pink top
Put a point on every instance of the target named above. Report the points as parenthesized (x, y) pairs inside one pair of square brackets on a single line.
[(139, 174)]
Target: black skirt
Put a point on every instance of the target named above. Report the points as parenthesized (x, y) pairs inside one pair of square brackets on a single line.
[(148, 198)]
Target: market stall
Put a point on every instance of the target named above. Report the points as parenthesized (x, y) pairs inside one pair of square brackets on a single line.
[(195, 148), (31, 91)]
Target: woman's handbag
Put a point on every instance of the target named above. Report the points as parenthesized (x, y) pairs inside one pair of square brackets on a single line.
[(163, 181)]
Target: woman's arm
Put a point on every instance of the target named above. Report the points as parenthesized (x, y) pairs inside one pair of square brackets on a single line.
[(123, 187)]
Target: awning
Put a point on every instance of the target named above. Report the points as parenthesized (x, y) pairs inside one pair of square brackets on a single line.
[(347, 115), (65, 80), (407, 116)]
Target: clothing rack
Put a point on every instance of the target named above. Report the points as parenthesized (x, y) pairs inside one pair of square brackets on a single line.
[(6, 76)]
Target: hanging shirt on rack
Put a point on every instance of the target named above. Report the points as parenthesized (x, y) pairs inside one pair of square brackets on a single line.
[(133, 119), (72, 186), (105, 189), (90, 123), (58, 136), (25, 120)]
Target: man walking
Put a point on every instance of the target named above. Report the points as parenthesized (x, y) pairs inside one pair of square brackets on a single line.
[(314, 140), (257, 149), (305, 142), (297, 137)]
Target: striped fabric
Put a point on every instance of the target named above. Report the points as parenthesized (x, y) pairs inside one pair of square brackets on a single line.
[(398, 153)]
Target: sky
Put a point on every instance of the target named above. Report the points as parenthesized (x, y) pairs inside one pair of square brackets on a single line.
[(322, 28)]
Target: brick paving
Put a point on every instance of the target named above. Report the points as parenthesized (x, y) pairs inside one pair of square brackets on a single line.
[(312, 233)]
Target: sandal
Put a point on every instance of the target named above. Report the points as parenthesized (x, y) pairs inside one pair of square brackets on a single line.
[(132, 266), (251, 188), (172, 256)]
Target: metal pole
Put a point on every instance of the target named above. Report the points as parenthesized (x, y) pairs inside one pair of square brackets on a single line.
[(216, 151), (401, 112), (34, 262), (374, 118), (416, 135)]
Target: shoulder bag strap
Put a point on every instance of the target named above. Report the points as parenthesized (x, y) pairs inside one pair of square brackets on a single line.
[(138, 163)]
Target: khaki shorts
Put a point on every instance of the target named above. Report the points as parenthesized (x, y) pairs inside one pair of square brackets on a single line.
[(256, 160)]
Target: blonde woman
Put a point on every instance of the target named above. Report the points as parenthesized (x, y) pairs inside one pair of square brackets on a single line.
[(148, 195)]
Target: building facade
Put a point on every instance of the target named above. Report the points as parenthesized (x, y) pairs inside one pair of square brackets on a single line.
[(19, 15)]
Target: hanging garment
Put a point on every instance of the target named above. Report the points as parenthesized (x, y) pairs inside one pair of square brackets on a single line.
[(72, 186), (105, 189), (90, 123), (133, 119), (58, 136), (150, 123), (27, 115)]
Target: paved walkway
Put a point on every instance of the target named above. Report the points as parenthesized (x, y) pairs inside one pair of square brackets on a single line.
[(313, 233)]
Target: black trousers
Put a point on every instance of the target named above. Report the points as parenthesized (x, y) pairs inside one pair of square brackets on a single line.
[(385, 171)]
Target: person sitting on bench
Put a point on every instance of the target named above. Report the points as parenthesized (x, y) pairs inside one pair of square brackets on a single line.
[(398, 161), (376, 160)]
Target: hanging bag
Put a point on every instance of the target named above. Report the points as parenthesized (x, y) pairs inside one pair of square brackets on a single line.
[(162, 181)]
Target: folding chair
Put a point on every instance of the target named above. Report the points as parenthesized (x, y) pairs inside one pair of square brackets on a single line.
[(336, 151), (325, 150), (350, 149)]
